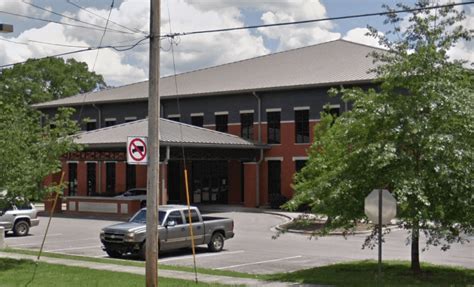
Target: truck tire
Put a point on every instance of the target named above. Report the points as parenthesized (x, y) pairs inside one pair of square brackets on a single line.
[(21, 228), (113, 253), (217, 242)]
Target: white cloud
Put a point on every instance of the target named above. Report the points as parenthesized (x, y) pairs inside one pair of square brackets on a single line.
[(359, 35)]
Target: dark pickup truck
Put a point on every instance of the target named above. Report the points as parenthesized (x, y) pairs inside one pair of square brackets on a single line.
[(129, 237)]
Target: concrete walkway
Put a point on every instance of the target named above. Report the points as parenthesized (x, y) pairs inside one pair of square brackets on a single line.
[(232, 281)]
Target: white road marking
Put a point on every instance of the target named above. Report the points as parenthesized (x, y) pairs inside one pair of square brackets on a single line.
[(74, 248), (259, 262), (201, 255), (52, 242)]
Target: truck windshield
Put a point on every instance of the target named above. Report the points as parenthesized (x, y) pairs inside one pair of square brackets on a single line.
[(140, 217)]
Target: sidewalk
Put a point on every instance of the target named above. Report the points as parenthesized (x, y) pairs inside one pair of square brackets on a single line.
[(233, 281)]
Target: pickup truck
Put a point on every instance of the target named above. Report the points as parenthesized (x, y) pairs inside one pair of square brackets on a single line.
[(129, 237)]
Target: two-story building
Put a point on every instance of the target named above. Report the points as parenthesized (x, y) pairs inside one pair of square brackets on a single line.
[(245, 126)]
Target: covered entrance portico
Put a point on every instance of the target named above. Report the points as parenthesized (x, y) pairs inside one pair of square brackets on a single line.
[(214, 162)]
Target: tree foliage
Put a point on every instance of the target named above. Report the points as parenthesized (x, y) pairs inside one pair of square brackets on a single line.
[(31, 144), (41, 80), (413, 135)]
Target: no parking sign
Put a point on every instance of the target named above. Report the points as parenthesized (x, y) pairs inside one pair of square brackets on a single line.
[(137, 150)]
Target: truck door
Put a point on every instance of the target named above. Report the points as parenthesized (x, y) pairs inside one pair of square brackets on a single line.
[(176, 231), (198, 228)]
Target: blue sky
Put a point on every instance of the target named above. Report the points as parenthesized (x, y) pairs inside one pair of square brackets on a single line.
[(192, 52)]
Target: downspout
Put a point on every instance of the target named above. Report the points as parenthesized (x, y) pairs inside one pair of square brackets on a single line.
[(257, 179), (163, 185), (99, 162)]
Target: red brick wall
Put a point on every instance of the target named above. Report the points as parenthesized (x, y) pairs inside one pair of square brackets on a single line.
[(250, 184)]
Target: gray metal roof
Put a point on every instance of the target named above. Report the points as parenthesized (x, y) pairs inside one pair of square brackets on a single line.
[(334, 62), (170, 135)]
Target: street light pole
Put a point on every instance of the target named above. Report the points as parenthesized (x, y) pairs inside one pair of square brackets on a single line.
[(154, 148), (6, 28)]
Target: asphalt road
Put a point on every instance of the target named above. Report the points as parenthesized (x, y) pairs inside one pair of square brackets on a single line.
[(252, 250)]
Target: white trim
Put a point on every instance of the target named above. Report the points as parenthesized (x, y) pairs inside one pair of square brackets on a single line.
[(295, 158), (233, 124), (209, 125), (91, 161), (90, 120), (301, 108), (221, 113), (246, 111), (280, 158), (110, 119), (273, 110), (174, 116), (335, 106), (72, 161), (130, 118), (197, 114), (286, 122), (315, 121)]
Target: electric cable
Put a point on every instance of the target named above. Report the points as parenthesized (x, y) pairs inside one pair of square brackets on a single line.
[(136, 30), (61, 23), (64, 16)]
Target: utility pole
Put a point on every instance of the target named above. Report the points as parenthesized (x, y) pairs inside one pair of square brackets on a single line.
[(154, 148)]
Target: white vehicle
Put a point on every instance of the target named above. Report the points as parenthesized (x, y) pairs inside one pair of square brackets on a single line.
[(18, 218), (135, 193)]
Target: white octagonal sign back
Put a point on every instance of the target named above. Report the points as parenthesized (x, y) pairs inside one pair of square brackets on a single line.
[(389, 206)]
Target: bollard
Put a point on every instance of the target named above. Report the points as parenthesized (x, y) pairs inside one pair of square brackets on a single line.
[(2, 237)]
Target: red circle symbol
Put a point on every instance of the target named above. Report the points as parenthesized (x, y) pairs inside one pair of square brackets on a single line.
[(137, 149)]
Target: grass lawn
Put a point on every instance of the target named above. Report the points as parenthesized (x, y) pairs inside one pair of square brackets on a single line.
[(19, 272), (364, 273)]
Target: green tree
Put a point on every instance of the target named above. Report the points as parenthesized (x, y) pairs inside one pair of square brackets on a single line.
[(31, 143), (414, 136), (41, 80)]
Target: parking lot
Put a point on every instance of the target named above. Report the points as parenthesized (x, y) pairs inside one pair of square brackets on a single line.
[(252, 250)]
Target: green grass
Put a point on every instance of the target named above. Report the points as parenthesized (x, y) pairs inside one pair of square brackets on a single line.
[(19, 272), (364, 273), (125, 262)]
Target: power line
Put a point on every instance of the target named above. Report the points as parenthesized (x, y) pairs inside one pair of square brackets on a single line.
[(317, 20), (136, 30), (103, 34), (62, 23), (62, 15)]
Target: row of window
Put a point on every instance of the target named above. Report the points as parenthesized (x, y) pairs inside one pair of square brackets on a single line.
[(91, 124), (247, 125)]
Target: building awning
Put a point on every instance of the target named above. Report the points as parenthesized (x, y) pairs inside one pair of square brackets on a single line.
[(172, 134)]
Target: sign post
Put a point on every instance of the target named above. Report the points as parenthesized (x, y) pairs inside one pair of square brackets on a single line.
[(380, 207)]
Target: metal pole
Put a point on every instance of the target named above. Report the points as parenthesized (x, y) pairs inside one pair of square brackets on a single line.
[(380, 233), (153, 148)]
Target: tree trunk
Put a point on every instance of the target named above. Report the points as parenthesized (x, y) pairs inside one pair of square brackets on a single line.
[(415, 249)]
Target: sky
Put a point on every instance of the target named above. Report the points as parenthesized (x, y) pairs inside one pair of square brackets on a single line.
[(130, 23)]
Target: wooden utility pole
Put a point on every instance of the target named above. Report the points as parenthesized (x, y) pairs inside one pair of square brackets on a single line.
[(153, 148)]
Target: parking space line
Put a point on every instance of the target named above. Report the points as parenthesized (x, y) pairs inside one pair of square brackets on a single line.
[(259, 262), (201, 255), (74, 248), (53, 242)]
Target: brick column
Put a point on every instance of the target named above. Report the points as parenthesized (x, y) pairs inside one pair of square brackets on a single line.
[(250, 184), (141, 176), (120, 178)]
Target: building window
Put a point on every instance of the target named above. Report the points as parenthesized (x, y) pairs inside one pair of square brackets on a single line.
[(175, 118), (110, 178), (91, 125), (222, 123), (131, 176), (91, 178), (197, 121), (274, 177), (110, 122), (246, 125), (302, 126), (130, 119), (72, 178), (299, 164), (273, 127)]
